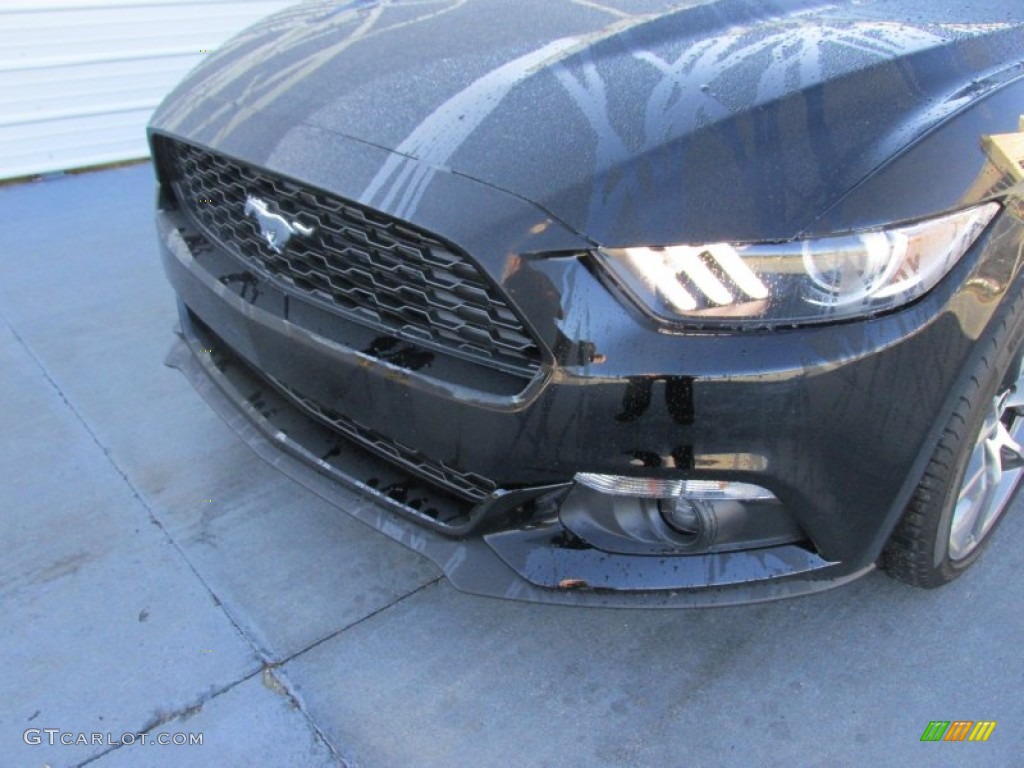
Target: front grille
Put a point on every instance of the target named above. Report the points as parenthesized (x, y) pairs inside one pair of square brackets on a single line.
[(465, 484), (365, 265)]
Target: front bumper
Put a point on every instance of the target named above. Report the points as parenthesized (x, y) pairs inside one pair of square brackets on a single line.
[(836, 421), (532, 562)]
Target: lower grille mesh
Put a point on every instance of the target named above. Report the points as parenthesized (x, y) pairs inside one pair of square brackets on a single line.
[(465, 484)]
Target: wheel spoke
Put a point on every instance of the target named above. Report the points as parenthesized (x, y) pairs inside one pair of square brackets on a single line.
[(993, 477), (994, 456), (1015, 400), (1011, 455)]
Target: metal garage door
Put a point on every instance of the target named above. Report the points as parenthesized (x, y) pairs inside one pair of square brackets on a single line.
[(79, 78)]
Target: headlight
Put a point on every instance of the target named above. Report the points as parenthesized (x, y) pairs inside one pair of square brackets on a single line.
[(800, 282)]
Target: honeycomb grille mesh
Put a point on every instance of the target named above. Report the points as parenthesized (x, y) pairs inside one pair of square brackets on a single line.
[(365, 265)]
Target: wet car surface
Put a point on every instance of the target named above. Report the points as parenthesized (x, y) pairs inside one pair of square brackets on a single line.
[(677, 308)]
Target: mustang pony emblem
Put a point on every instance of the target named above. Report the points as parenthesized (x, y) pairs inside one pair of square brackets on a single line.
[(276, 229)]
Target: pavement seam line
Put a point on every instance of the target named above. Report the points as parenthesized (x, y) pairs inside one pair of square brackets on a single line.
[(401, 598), (267, 664), (195, 708), (176, 714), (154, 518), (293, 696), (257, 651), (296, 702)]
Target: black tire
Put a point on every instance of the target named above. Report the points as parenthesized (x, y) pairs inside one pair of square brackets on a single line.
[(918, 551)]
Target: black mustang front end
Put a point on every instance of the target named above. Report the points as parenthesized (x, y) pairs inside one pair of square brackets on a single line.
[(700, 305)]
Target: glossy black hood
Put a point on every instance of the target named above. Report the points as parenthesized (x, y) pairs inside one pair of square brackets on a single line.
[(643, 122)]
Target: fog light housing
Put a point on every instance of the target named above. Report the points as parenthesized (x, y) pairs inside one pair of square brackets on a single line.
[(643, 515), (657, 488)]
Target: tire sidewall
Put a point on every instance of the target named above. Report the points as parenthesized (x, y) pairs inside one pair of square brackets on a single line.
[(992, 380)]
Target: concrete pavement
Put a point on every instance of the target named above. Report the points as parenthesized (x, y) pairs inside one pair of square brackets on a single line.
[(156, 576)]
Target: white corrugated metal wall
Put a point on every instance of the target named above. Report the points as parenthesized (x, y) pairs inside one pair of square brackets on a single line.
[(80, 78)]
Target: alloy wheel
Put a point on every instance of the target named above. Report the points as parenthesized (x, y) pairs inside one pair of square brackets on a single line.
[(993, 471)]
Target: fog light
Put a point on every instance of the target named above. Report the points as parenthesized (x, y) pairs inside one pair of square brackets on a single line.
[(683, 515), (655, 516), (641, 487), (716, 490), (656, 488)]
